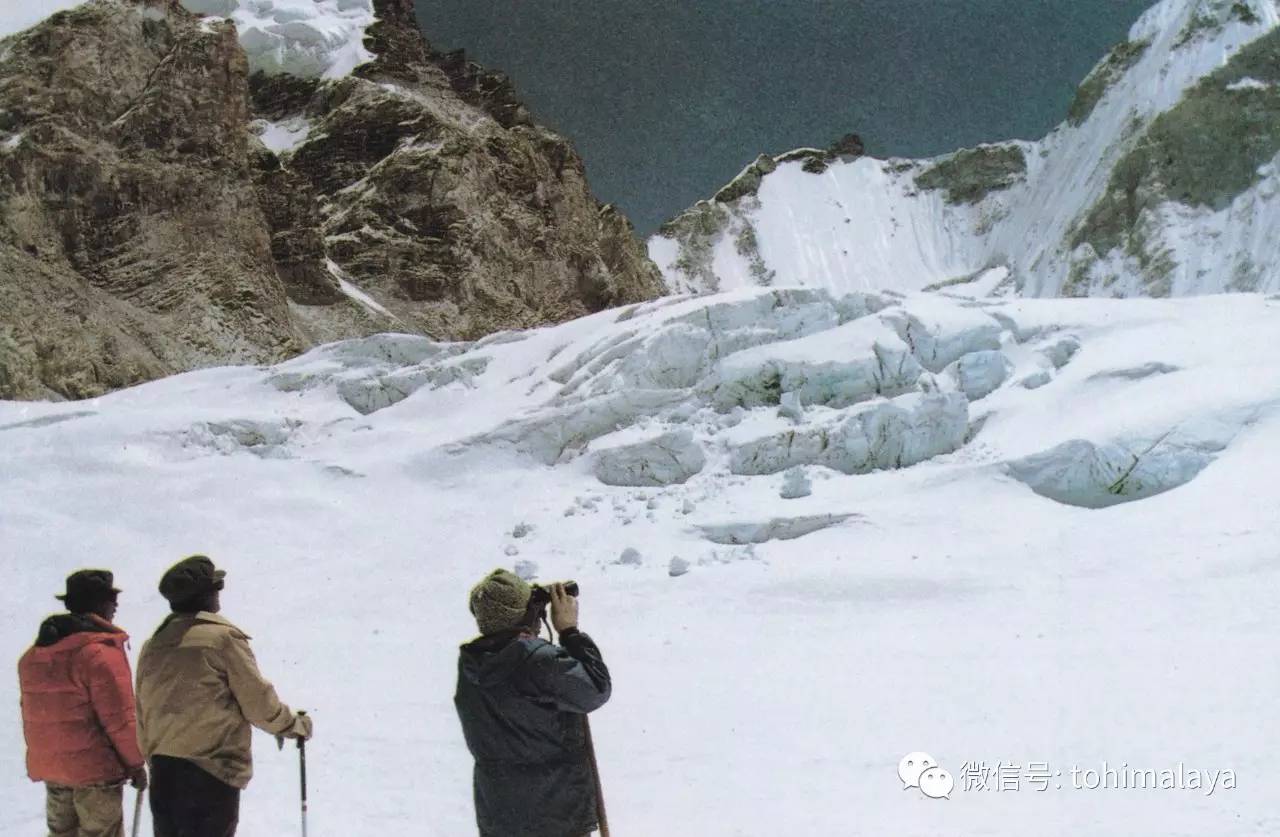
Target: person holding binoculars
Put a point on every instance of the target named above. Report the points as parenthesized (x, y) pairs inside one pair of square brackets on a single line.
[(522, 702)]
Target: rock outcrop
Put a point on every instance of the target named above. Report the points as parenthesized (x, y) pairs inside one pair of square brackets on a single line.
[(163, 209)]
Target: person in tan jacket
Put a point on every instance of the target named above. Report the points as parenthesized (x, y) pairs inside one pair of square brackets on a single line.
[(199, 695)]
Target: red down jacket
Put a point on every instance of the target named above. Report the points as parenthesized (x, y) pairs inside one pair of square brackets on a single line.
[(77, 703)]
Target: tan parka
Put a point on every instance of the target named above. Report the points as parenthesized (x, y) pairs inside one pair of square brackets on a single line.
[(199, 690)]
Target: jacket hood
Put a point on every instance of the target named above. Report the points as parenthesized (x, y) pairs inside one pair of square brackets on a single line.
[(492, 659), (85, 628)]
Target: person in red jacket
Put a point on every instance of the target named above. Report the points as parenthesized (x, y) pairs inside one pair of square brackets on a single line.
[(78, 712)]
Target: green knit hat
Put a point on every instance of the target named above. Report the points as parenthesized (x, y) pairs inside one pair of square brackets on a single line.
[(500, 602)]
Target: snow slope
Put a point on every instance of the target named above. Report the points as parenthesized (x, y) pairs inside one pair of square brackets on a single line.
[(1087, 577), (1039, 209), (308, 38)]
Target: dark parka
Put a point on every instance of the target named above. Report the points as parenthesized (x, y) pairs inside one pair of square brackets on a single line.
[(521, 701)]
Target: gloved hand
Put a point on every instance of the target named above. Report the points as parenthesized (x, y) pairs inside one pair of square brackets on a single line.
[(138, 778), (301, 727)]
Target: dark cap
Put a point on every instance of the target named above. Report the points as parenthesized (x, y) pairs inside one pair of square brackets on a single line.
[(89, 587), (190, 578)]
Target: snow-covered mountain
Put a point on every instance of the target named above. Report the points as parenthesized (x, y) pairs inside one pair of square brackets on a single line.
[(816, 526), (813, 532), (1162, 181)]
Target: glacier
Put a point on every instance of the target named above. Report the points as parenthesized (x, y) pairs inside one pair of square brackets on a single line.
[(1072, 572)]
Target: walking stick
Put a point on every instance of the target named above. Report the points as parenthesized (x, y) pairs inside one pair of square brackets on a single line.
[(137, 813), (302, 775), (595, 776), (601, 816), (302, 771)]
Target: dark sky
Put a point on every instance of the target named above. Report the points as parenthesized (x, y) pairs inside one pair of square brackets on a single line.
[(667, 100)]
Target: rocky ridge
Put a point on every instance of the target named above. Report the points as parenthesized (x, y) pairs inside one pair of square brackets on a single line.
[(163, 208)]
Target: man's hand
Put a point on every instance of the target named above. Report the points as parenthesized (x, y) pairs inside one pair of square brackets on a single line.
[(138, 778), (301, 727), (564, 609)]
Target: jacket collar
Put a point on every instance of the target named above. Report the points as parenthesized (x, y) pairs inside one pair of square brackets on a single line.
[(489, 643), (203, 616), (105, 626), (217, 619)]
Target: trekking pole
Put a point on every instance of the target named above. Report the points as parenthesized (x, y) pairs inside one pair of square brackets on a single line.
[(302, 775), (601, 816), (137, 813), (595, 777)]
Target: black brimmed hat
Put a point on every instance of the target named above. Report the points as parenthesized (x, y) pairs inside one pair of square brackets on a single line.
[(89, 587), (190, 578)]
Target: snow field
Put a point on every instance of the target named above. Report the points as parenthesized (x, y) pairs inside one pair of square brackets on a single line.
[(766, 679)]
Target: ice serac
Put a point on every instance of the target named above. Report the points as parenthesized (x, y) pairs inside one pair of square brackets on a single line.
[(1161, 181), (183, 190), (664, 459), (782, 529), (751, 382), (796, 484), (851, 363), (979, 374), (1093, 476), (887, 434)]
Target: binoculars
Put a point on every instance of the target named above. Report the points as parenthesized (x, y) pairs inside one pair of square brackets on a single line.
[(542, 595)]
